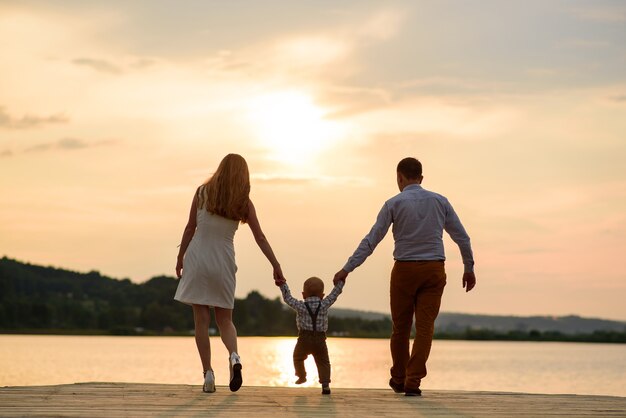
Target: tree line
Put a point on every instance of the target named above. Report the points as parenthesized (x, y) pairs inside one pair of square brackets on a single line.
[(38, 299)]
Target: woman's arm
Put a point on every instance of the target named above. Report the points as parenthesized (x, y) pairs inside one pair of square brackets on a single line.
[(190, 229), (263, 243)]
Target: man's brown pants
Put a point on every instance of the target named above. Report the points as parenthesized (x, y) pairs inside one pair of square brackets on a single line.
[(416, 289), (310, 342)]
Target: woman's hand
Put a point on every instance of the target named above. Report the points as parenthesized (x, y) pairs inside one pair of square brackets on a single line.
[(179, 267), (279, 278)]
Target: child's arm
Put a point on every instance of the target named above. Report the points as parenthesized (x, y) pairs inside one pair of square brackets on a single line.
[(290, 300), (330, 299)]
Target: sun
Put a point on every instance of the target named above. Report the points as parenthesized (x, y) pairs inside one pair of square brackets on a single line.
[(291, 127)]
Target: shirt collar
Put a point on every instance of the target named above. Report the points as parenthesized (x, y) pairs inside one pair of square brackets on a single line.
[(312, 299), (412, 187)]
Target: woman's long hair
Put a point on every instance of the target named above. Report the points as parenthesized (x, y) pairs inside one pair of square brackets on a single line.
[(227, 192)]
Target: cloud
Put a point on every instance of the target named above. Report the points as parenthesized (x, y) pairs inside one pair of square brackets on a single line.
[(227, 61), (437, 86), (161, 191), (142, 63), (330, 52), (603, 13), (38, 148), (69, 144), (346, 101), (621, 98), (582, 44), (28, 121), (289, 180), (313, 50), (542, 72), (462, 117), (6, 153), (281, 180), (98, 65), (382, 25)]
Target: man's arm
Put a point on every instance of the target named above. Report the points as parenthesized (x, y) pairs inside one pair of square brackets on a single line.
[(371, 240), (455, 229)]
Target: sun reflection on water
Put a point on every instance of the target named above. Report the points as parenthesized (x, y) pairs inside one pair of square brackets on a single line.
[(354, 362), (279, 364)]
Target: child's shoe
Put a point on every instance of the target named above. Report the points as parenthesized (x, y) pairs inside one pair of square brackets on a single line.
[(300, 380), (209, 382), (325, 389), (235, 372)]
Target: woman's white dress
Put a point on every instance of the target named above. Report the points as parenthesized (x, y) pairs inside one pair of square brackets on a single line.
[(209, 264)]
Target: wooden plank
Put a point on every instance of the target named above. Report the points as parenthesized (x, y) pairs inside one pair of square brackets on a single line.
[(150, 400)]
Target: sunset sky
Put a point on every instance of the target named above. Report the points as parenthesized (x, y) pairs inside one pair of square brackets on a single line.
[(112, 113)]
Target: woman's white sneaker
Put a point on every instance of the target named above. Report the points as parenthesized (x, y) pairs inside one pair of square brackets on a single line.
[(209, 382), (236, 380)]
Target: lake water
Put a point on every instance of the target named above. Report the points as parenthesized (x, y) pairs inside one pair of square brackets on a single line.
[(530, 367)]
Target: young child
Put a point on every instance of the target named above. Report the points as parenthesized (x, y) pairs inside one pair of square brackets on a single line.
[(312, 321)]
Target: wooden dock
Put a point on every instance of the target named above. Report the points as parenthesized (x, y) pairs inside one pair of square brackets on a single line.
[(156, 400)]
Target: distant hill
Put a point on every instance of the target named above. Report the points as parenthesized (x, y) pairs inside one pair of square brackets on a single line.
[(355, 313), (453, 322), (457, 322)]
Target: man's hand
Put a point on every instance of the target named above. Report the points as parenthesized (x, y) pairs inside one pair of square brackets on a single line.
[(469, 281), (340, 276)]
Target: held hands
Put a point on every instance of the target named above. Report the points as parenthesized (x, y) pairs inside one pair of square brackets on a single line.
[(469, 281), (340, 276), (279, 278)]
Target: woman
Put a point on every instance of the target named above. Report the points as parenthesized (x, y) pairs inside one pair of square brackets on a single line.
[(206, 260)]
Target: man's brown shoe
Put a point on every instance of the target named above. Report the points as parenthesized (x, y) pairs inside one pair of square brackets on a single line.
[(413, 392), (398, 388)]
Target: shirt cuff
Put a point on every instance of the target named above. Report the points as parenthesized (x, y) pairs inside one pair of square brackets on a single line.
[(348, 267)]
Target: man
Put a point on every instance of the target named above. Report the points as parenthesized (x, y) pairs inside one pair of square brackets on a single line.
[(418, 277)]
